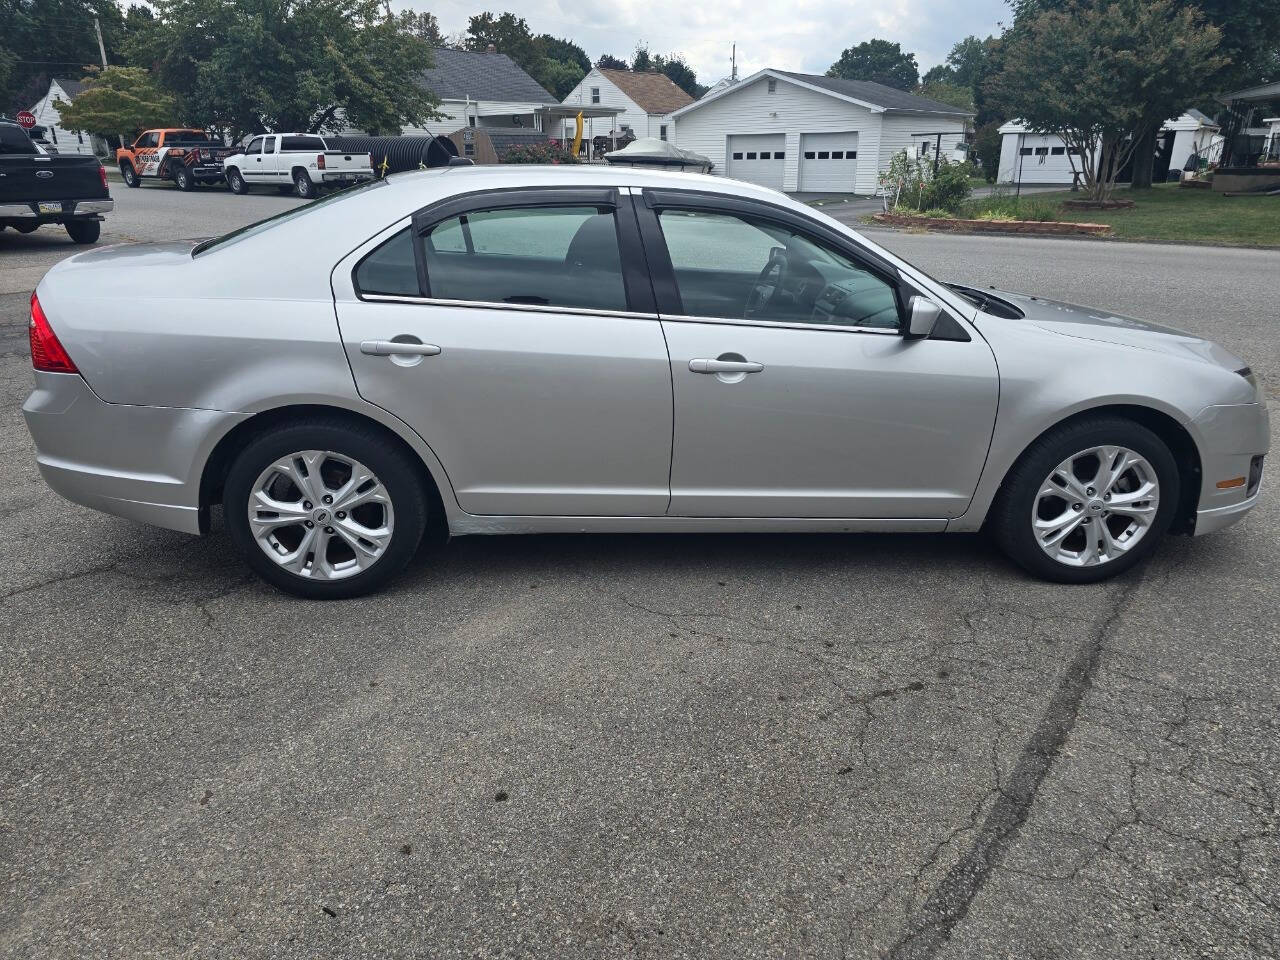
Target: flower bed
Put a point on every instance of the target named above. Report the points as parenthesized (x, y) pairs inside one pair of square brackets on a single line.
[(1040, 227)]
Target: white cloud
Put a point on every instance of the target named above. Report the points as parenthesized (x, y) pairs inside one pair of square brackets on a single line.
[(807, 35)]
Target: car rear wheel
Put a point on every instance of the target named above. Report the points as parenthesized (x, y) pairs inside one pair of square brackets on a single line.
[(130, 175), (302, 185), (84, 231), (26, 227), (325, 510), (236, 182), (1088, 500), (182, 177)]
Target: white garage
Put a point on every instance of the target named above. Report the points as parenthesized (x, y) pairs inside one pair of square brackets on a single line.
[(828, 162), (758, 158)]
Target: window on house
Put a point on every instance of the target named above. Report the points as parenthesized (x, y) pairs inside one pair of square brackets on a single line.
[(1042, 151), (779, 155), (837, 154), (468, 149), (1025, 152), (773, 86), (595, 94), (810, 154), (751, 155), (824, 154), (738, 155), (471, 121), (1058, 151), (851, 154), (924, 148), (662, 132)]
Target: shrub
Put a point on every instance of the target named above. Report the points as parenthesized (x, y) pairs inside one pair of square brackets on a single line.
[(948, 188), (1003, 206), (938, 213), (913, 182), (549, 152)]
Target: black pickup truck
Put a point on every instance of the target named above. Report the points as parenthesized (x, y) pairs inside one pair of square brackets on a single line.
[(37, 188)]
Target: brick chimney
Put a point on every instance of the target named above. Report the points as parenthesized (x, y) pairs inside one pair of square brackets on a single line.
[(491, 49)]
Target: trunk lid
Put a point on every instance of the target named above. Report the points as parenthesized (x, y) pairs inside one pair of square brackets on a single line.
[(28, 178)]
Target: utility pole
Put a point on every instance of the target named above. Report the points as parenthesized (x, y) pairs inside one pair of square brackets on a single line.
[(102, 51), (733, 65)]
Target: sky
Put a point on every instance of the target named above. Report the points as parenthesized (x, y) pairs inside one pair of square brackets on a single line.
[(803, 35)]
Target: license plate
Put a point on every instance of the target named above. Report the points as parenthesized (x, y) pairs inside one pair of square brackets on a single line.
[(50, 207)]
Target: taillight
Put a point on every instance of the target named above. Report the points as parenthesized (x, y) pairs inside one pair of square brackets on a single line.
[(102, 175), (320, 162), (46, 351)]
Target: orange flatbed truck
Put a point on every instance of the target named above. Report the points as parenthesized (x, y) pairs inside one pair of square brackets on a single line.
[(185, 155)]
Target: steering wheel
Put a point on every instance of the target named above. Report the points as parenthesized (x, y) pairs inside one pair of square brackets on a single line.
[(764, 289)]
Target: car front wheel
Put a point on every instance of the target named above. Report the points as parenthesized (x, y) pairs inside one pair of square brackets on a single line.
[(237, 182), (325, 510), (130, 175), (1088, 500)]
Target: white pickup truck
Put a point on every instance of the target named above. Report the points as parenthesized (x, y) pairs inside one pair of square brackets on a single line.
[(297, 162)]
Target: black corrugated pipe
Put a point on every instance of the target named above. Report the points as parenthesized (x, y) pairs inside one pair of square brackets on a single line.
[(399, 153)]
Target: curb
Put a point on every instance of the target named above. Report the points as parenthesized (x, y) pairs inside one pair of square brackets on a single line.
[(1026, 227)]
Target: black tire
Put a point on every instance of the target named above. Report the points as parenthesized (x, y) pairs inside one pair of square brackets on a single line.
[(395, 468), (84, 231), (130, 175), (1010, 520), (26, 227), (236, 182), (302, 185), (183, 180)]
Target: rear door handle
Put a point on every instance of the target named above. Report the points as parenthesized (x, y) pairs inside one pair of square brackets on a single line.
[(390, 348), (724, 366)]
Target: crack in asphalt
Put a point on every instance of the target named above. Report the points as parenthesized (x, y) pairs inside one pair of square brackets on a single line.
[(929, 928)]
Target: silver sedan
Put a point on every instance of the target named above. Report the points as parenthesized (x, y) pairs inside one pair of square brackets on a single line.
[(523, 350)]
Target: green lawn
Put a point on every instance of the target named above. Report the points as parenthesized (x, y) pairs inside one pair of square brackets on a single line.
[(1169, 213)]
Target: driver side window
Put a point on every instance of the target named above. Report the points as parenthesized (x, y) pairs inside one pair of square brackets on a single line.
[(733, 268)]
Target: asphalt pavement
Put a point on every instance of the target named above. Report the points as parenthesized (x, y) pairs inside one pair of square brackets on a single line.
[(680, 746)]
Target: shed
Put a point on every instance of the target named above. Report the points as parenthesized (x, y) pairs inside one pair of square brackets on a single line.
[(487, 145)]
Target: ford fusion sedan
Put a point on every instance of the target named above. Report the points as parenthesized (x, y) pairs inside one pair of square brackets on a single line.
[(522, 350)]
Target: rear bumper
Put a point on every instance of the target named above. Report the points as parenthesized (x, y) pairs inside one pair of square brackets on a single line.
[(141, 463), (347, 177), (70, 208)]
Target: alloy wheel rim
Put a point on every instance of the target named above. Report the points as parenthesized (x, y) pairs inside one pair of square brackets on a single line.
[(1095, 506), (321, 515)]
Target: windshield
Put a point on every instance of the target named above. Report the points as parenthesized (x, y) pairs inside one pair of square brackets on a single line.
[(254, 229)]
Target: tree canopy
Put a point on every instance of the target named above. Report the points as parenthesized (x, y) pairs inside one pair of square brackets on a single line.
[(310, 65), (672, 65), (117, 100), (609, 62), (1098, 73), (880, 61), (557, 64)]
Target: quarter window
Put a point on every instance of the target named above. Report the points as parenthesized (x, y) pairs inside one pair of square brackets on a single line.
[(540, 256), (391, 268), (733, 268)]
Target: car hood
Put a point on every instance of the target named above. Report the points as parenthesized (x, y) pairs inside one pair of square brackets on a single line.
[(1091, 323)]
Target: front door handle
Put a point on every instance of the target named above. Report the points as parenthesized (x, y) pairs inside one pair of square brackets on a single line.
[(391, 348), (724, 366)]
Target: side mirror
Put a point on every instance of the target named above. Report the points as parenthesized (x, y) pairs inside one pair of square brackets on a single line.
[(922, 317)]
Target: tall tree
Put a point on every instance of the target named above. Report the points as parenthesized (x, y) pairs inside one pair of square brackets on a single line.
[(880, 61), (609, 62), (117, 100), (52, 38), (312, 65), (967, 61), (508, 33), (421, 24), (1098, 73), (673, 66), (561, 64)]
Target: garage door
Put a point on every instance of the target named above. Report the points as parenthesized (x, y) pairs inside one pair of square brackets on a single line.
[(758, 158), (828, 162), (1042, 159)]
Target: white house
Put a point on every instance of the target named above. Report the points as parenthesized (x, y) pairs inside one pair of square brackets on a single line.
[(1029, 157), (47, 116), (645, 99), (481, 90), (802, 132)]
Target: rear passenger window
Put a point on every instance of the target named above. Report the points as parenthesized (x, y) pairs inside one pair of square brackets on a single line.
[(390, 269), (540, 256)]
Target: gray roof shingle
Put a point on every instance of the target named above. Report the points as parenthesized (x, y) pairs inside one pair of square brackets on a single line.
[(72, 88), (459, 74), (888, 97)]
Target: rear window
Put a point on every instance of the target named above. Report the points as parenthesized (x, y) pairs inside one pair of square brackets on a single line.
[(13, 139), (254, 229), (303, 143), (189, 136)]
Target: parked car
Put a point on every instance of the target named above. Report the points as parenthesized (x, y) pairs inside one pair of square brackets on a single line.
[(37, 188), (538, 349), (187, 157), (301, 162)]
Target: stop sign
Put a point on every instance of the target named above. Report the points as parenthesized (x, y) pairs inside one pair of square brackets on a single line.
[(26, 119)]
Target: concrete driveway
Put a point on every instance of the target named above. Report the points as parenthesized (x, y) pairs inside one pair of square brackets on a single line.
[(713, 746)]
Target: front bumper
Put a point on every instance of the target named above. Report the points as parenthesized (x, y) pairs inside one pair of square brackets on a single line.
[(69, 208), (141, 463), (1231, 437)]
